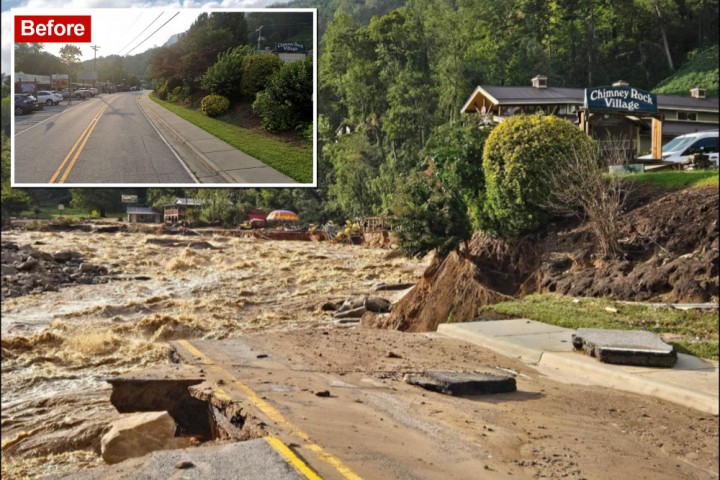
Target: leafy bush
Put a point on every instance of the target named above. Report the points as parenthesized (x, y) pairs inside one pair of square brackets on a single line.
[(455, 153), (225, 76), (429, 215), (257, 70), (179, 94), (214, 105), (167, 87), (519, 157), (287, 99)]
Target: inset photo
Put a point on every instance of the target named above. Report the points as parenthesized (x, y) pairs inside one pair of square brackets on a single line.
[(161, 97)]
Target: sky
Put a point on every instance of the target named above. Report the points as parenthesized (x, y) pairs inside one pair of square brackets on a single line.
[(119, 32)]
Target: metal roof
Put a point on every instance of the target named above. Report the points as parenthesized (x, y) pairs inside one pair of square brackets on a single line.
[(670, 128), (142, 211), (188, 201), (690, 103)]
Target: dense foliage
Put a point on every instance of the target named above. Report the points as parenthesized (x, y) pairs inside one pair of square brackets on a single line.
[(431, 216), (214, 105), (520, 155), (257, 70), (286, 101), (701, 70), (225, 76)]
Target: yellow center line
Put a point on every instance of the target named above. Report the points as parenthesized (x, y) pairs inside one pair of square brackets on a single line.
[(274, 414), (79, 140), (291, 458), (92, 125)]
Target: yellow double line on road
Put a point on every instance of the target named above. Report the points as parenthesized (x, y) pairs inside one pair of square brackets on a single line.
[(77, 150), (280, 420)]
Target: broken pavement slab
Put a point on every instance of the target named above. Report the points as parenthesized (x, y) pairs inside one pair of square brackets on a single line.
[(691, 382), (460, 383), (625, 347)]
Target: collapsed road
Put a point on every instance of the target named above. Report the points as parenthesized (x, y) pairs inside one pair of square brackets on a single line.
[(283, 386)]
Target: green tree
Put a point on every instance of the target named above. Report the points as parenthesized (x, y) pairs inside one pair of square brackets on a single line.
[(519, 158), (225, 76), (430, 216), (257, 70), (103, 200), (71, 55), (286, 102), (355, 163)]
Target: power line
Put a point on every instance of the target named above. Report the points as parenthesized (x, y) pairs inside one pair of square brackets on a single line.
[(136, 37), (148, 37)]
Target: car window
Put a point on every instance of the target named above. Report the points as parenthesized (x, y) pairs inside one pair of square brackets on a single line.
[(677, 144), (710, 144)]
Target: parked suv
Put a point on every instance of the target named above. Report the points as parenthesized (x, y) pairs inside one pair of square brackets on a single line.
[(82, 93), (680, 148), (25, 103), (49, 98)]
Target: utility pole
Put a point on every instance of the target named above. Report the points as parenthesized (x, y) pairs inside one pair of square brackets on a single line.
[(259, 30), (95, 49)]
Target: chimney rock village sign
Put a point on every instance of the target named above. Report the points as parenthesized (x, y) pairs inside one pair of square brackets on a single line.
[(620, 99)]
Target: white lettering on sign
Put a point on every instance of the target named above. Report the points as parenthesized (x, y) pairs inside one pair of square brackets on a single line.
[(52, 29), (647, 98), (618, 104), (600, 94)]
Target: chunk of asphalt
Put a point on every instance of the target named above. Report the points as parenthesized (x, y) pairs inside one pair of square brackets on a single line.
[(625, 347), (459, 383)]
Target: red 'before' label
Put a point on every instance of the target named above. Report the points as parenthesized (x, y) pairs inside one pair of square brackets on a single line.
[(52, 29)]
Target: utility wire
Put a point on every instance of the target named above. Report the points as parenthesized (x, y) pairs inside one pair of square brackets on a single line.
[(148, 37), (136, 37)]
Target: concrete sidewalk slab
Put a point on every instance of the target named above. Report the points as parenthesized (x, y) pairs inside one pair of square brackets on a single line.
[(692, 382), (211, 159)]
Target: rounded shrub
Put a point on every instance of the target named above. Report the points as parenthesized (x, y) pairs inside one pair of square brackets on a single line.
[(286, 101), (257, 70), (519, 156), (225, 76), (214, 105)]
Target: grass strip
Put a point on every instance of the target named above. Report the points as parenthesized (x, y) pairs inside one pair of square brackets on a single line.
[(677, 179), (294, 161), (692, 331)]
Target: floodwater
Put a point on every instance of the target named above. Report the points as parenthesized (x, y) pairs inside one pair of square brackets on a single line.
[(58, 347)]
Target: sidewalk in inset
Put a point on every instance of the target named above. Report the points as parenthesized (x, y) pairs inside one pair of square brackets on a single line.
[(219, 161)]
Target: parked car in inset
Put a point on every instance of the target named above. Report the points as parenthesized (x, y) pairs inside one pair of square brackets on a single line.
[(24, 103), (82, 93), (93, 91), (49, 98)]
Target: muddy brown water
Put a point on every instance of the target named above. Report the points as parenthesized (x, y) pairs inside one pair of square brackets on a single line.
[(58, 347)]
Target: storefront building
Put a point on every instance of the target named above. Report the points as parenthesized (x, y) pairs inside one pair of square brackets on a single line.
[(619, 113)]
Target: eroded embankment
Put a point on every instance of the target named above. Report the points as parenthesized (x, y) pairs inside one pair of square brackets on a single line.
[(670, 254)]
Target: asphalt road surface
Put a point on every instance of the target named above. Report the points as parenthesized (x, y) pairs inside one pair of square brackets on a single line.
[(102, 140)]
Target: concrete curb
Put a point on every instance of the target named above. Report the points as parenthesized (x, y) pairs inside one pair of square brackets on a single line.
[(178, 138), (607, 377), (575, 367)]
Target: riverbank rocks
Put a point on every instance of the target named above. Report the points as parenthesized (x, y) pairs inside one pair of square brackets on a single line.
[(26, 270), (138, 434)]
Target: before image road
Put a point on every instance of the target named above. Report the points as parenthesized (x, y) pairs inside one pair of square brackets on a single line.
[(106, 139)]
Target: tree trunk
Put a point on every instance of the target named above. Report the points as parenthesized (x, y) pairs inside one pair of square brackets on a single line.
[(664, 37)]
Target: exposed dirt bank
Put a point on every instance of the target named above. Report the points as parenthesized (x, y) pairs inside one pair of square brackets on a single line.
[(671, 254)]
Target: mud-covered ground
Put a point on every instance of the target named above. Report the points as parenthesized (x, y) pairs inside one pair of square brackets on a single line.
[(62, 339), (59, 344)]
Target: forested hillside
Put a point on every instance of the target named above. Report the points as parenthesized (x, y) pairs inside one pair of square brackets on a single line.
[(701, 70), (396, 79)]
